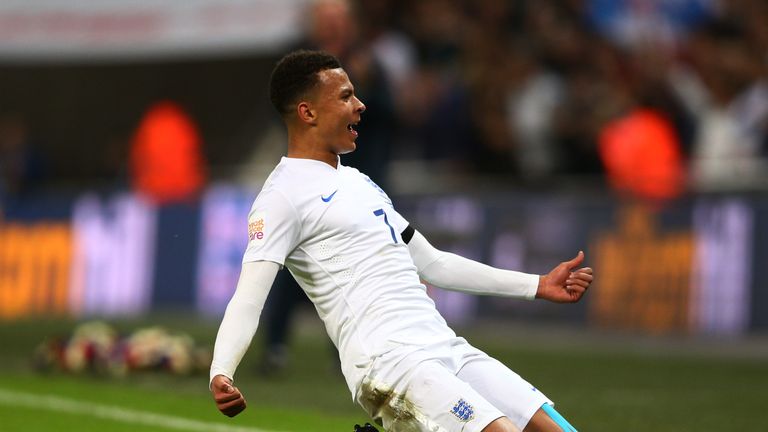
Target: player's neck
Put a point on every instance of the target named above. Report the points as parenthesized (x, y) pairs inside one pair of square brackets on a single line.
[(307, 149)]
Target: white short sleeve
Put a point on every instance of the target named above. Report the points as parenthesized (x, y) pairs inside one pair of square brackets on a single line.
[(273, 228), (398, 221)]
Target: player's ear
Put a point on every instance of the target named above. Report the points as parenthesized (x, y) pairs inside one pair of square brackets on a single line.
[(306, 113)]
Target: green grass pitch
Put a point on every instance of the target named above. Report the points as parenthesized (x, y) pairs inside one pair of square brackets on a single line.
[(627, 384)]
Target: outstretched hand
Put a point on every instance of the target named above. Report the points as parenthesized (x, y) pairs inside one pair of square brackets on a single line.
[(564, 284), (228, 398)]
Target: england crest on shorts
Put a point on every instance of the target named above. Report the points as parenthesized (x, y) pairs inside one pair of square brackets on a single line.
[(463, 410)]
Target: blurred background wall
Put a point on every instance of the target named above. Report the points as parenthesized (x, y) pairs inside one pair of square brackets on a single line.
[(135, 135)]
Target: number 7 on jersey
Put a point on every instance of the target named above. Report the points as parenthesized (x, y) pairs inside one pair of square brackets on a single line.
[(380, 212)]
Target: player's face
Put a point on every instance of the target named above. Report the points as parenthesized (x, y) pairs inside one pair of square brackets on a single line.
[(338, 111)]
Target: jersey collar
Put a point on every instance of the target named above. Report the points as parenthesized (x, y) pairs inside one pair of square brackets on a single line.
[(312, 162)]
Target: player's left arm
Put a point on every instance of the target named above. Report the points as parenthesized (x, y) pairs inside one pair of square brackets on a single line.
[(564, 284)]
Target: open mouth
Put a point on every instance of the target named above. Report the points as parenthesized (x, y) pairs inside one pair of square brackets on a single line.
[(351, 128)]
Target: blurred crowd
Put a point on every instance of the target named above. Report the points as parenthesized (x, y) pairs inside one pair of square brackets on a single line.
[(658, 96)]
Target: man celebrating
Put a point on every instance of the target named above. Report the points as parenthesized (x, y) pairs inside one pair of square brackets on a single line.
[(360, 263)]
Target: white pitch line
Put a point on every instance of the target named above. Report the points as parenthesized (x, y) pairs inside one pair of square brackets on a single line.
[(116, 413)]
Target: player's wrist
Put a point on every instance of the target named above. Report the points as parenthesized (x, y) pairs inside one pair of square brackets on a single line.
[(217, 377), (540, 286)]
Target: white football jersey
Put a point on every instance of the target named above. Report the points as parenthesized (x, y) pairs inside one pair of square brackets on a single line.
[(339, 235)]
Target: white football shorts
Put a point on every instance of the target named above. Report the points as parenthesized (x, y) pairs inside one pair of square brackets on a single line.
[(448, 386)]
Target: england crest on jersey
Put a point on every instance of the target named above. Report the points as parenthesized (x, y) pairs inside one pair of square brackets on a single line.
[(463, 410)]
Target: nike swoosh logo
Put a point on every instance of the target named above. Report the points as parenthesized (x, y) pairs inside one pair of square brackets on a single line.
[(330, 197)]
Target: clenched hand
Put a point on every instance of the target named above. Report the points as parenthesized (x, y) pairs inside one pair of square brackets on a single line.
[(228, 398)]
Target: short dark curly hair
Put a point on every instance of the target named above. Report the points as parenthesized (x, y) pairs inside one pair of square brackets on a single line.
[(295, 74)]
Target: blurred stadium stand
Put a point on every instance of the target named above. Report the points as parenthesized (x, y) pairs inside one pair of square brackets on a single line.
[(520, 133)]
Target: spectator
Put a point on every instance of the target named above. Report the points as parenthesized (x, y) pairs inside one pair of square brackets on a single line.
[(642, 156), (166, 162), (437, 108), (727, 93), (22, 167)]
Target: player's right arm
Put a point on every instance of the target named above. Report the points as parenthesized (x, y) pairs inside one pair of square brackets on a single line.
[(273, 231), (236, 331)]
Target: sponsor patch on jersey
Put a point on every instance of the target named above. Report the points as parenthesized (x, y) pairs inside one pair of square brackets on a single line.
[(256, 227), (463, 411)]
